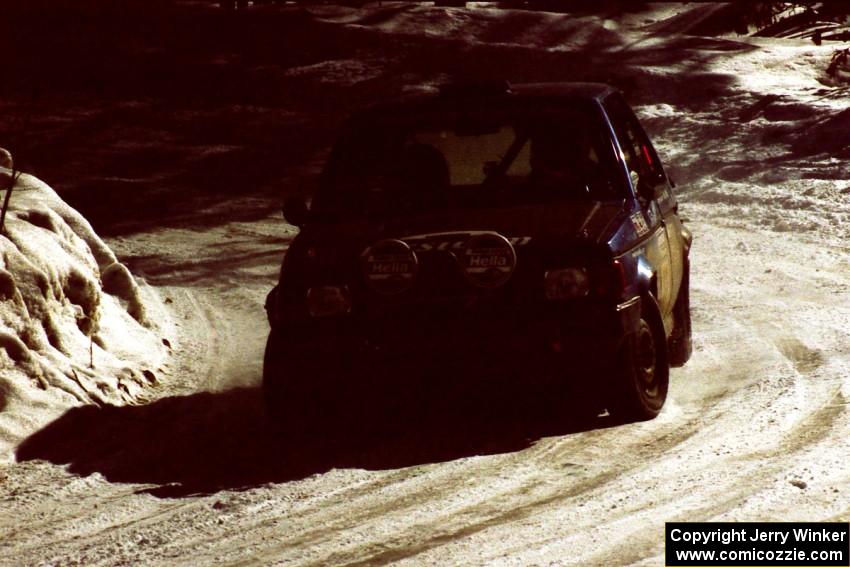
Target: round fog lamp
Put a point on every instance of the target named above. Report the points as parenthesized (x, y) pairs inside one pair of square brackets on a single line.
[(389, 266), (488, 260)]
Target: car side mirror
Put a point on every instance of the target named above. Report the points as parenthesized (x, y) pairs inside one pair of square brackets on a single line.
[(6, 159), (647, 185), (641, 187), (646, 190), (295, 211)]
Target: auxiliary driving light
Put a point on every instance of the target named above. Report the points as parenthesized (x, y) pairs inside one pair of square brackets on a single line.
[(389, 267), (488, 260), (328, 300), (566, 283)]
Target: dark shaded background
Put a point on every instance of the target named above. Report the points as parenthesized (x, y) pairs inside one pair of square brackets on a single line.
[(163, 112), (144, 116)]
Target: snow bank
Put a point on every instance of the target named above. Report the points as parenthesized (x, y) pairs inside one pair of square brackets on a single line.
[(527, 29), (75, 327)]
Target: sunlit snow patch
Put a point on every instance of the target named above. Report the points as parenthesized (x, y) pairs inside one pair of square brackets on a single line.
[(75, 326)]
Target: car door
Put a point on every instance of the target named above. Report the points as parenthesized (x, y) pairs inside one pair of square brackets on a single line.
[(658, 207), (662, 191)]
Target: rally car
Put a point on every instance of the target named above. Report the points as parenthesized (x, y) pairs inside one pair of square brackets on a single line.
[(529, 229)]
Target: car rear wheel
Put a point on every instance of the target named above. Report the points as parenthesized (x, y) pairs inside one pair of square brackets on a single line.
[(642, 380)]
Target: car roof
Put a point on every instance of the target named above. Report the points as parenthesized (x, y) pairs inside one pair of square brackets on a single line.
[(497, 94), (596, 91)]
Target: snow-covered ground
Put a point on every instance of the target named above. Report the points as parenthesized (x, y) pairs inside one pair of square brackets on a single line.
[(755, 135)]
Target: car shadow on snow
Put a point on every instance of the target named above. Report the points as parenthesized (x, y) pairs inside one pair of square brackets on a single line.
[(207, 442)]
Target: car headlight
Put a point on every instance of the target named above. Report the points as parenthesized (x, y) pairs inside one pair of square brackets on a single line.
[(566, 283), (328, 300)]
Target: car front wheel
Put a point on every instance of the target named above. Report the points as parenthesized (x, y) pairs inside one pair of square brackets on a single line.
[(294, 408), (642, 379)]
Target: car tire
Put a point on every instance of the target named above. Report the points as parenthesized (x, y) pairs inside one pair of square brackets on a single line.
[(643, 377), (680, 345), (292, 407)]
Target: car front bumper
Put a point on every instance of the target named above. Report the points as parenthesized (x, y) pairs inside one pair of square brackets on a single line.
[(532, 340)]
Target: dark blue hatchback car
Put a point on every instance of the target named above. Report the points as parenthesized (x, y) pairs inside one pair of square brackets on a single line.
[(524, 228)]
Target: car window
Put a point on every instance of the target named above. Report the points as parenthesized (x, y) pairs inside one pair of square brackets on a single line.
[(638, 152), (467, 156), (470, 159)]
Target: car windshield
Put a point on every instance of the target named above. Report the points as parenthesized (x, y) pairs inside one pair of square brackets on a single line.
[(404, 164)]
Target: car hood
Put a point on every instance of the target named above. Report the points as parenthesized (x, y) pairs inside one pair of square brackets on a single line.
[(591, 221)]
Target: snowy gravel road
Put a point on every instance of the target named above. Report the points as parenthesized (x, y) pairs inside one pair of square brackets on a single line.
[(195, 478), (754, 429)]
